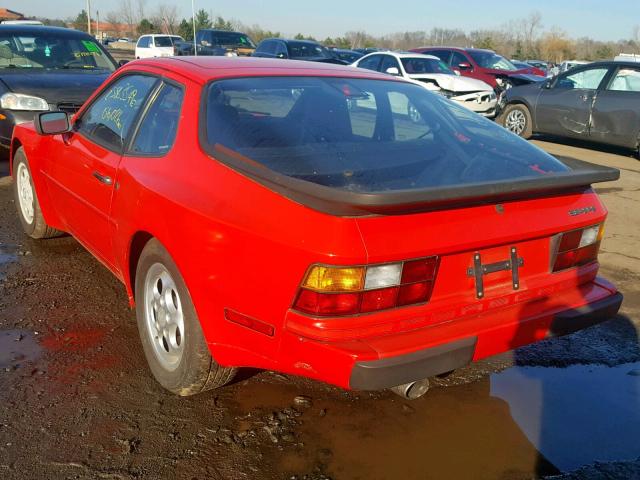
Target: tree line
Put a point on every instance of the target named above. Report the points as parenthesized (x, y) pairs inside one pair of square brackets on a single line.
[(524, 38)]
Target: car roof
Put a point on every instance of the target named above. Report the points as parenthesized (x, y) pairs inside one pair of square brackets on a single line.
[(205, 68), (43, 30), (404, 55)]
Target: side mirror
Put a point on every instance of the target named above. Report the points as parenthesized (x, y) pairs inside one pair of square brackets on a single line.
[(280, 55), (52, 123), (392, 71), (547, 84), (122, 63), (464, 66)]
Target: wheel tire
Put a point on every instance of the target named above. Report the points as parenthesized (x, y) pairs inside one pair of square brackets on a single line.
[(181, 363), (26, 199), (517, 119)]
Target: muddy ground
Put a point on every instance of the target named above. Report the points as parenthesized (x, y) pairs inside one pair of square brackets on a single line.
[(77, 400)]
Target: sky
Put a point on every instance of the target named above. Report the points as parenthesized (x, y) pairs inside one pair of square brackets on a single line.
[(601, 20)]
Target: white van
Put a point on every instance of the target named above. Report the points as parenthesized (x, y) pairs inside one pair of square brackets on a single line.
[(156, 45)]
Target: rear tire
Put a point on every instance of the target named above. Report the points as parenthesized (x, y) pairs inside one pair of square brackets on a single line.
[(170, 331), (517, 119), (26, 200)]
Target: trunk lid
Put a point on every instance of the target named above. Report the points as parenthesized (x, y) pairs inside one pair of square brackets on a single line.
[(484, 238)]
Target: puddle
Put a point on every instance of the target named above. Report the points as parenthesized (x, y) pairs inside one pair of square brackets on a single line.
[(575, 415), (521, 423), (17, 346)]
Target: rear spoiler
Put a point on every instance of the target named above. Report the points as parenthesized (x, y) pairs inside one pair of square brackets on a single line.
[(338, 202)]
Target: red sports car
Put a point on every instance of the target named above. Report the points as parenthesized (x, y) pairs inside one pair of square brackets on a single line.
[(294, 216)]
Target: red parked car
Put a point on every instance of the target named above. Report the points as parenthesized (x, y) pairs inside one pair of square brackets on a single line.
[(485, 65), (293, 216)]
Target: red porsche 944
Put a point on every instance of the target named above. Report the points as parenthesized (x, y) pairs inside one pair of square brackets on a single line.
[(316, 220)]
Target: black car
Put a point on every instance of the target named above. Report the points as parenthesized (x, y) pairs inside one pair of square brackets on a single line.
[(599, 102), (223, 43), (345, 55), (296, 50), (46, 68)]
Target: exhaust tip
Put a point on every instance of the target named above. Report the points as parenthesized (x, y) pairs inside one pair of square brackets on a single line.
[(412, 390)]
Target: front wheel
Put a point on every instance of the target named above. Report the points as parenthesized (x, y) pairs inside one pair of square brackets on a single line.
[(26, 200), (170, 331), (517, 119)]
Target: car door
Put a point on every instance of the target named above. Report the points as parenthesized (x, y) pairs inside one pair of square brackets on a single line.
[(266, 48), (82, 168), (616, 111), (564, 108), (143, 49)]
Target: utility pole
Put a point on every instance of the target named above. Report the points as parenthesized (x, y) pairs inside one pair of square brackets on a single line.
[(193, 17), (98, 24), (89, 17)]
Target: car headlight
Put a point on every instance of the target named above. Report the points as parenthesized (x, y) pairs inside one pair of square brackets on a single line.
[(231, 54), (19, 101)]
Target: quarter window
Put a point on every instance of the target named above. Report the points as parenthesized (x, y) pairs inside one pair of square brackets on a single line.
[(109, 119), (626, 80), (158, 129)]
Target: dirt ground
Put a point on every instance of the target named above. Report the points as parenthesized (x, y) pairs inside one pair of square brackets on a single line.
[(78, 402)]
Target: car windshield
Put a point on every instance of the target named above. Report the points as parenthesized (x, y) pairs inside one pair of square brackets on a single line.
[(307, 50), (51, 51), (362, 135), (417, 65), (492, 60), (166, 41), (232, 39)]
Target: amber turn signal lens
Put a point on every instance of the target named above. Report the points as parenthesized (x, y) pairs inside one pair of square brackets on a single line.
[(334, 279)]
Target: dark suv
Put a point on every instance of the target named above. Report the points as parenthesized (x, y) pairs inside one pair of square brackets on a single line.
[(223, 43), (485, 65), (296, 50)]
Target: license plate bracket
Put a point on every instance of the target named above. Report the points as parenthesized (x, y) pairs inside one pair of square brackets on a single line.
[(478, 271)]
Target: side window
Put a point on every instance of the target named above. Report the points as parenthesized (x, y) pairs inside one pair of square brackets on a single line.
[(444, 55), (268, 46), (457, 58), (626, 80), (389, 62), (143, 42), (281, 50), (370, 63), (158, 129), (109, 118), (588, 79)]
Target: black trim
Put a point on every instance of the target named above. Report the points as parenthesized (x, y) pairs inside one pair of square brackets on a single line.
[(390, 372), (586, 316)]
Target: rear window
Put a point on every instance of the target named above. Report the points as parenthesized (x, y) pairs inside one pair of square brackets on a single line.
[(363, 135), (307, 50), (166, 41)]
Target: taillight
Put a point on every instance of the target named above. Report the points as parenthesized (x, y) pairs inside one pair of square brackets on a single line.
[(340, 291), (577, 247)]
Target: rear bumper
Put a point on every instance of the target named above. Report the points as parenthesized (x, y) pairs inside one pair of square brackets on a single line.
[(389, 372), (401, 356)]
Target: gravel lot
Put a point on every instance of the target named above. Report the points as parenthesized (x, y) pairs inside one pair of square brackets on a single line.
[(77, 401)]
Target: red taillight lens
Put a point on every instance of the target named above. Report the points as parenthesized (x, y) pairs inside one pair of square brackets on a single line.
[(339, 291), (578, 247)]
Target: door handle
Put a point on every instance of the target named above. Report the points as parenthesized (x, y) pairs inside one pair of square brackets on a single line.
[(102, 178), (584, 97)]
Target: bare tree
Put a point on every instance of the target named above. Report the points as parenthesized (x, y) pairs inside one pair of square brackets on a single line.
[(127, 14), (166, 18), (635, 37), (531, 28)]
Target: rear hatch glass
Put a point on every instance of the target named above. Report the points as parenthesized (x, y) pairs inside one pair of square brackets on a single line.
[(363, 136)]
